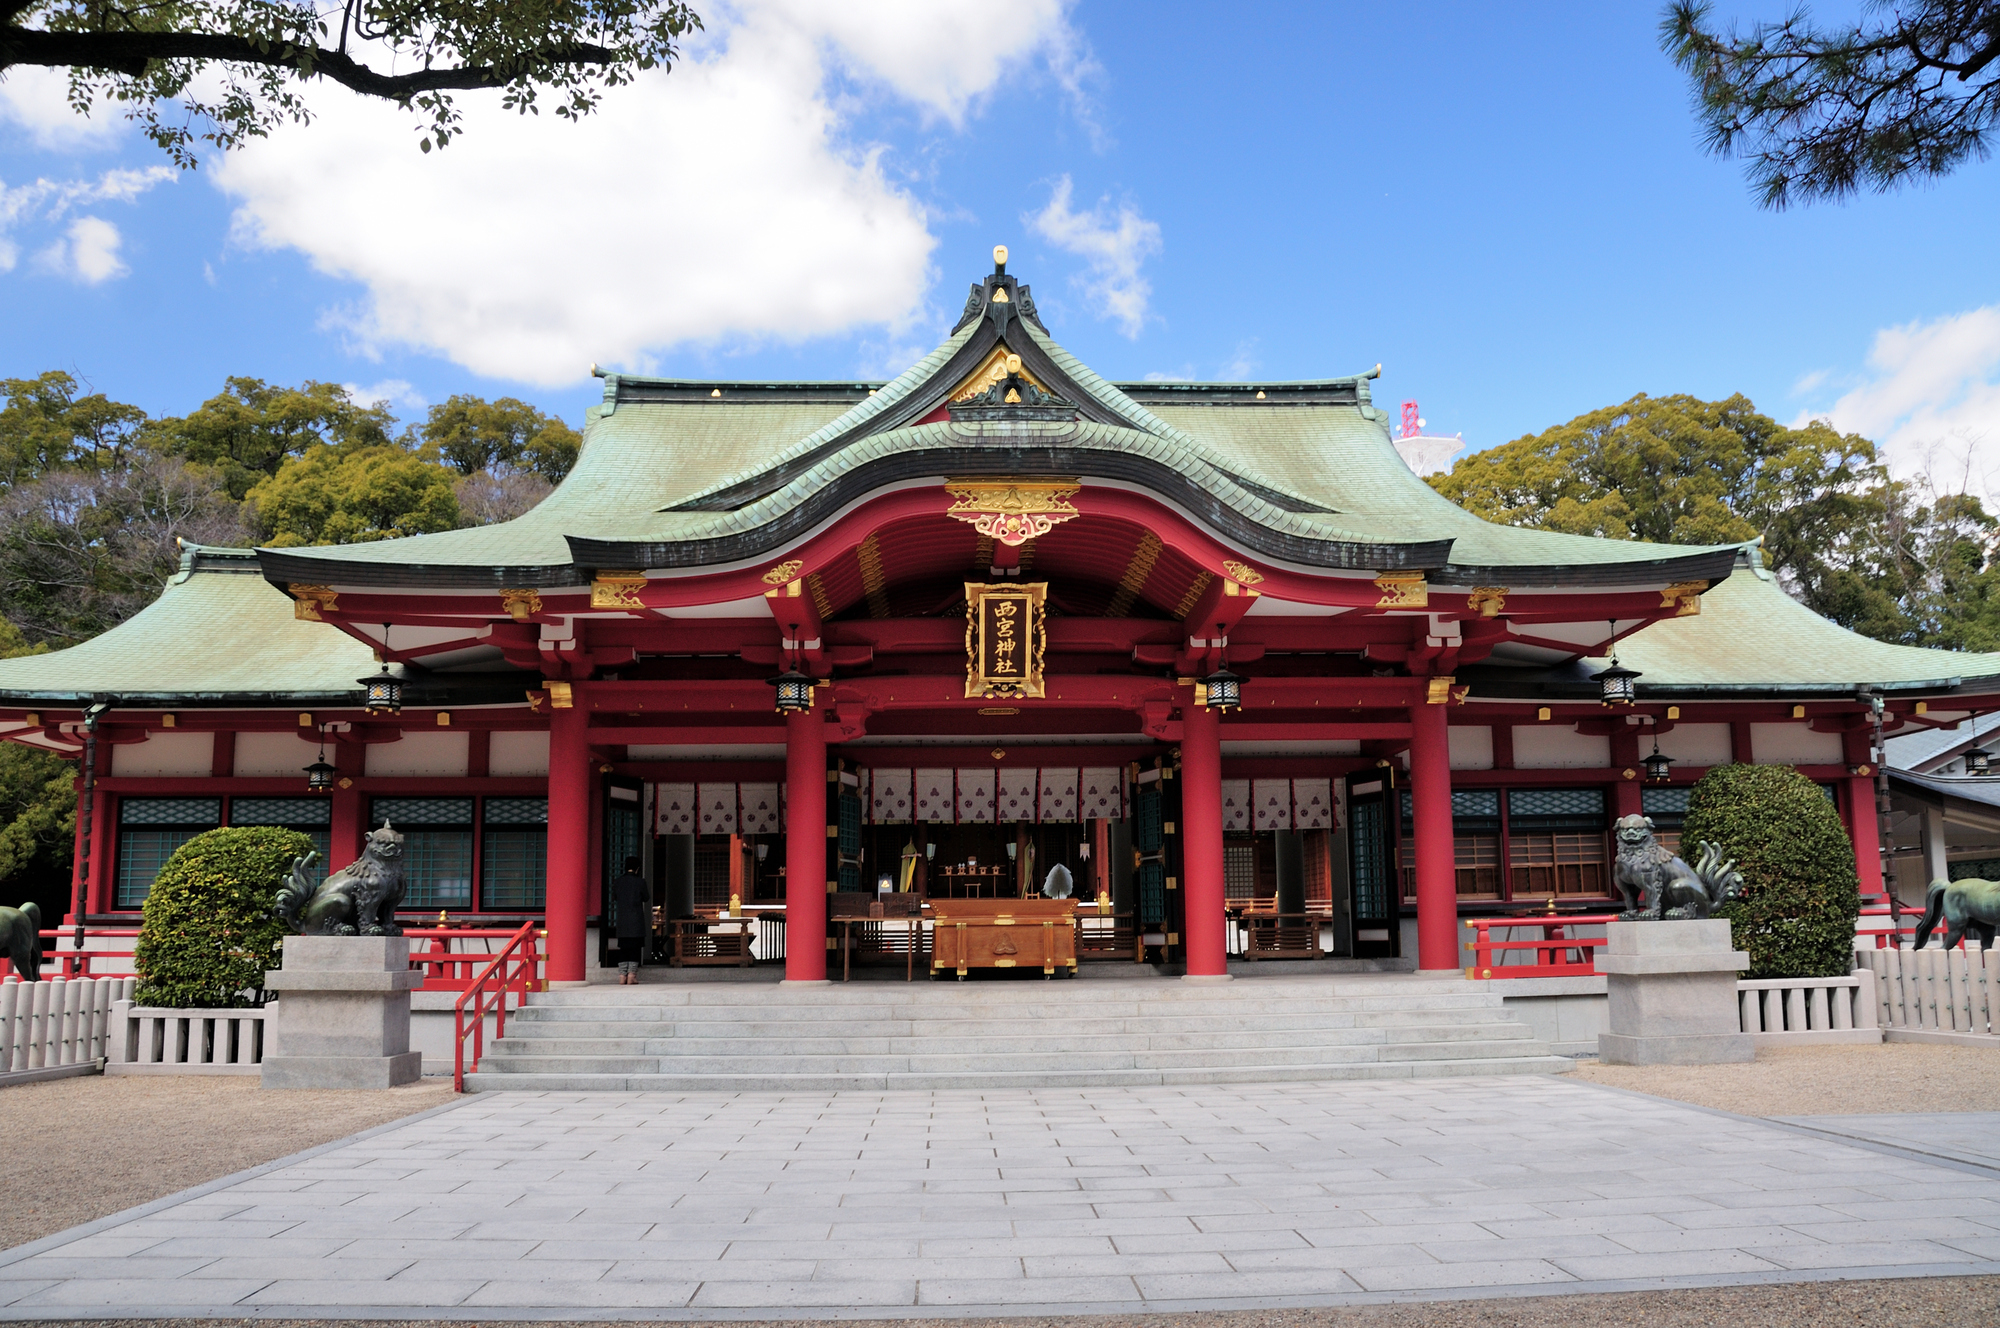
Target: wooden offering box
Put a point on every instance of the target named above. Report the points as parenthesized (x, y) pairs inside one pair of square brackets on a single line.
[(1003, 933)]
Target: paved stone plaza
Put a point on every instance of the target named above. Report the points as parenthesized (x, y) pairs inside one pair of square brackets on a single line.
[(1110, 1199)]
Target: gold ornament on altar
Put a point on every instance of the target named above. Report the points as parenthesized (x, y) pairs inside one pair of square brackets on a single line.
[(1004, 639), (1012, 512)]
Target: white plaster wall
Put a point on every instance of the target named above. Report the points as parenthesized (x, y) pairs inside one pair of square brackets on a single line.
[(1471, 748), (1691, 744), (1559, 747), (275, 755), (1793, 744), (518, 754), (420, 754), (166, 754)]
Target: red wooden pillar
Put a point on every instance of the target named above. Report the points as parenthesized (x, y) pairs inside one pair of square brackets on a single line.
[(805, 846), (1626, 799), (569, 842), (1437, 882), (1857, 808), (343, 844), (1201, 842)]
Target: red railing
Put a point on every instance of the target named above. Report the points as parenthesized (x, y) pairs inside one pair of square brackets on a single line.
[(1556, 952), (516, 969), (67, 963), (452, 969), (1907, 931)]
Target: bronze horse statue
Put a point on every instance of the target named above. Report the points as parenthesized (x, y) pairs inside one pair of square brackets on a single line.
[(1968, 905), (21, 940)]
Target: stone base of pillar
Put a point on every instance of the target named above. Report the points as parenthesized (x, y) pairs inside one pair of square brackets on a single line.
[(1672, 988), (343, 1019), (805, 982), (1207, 979)]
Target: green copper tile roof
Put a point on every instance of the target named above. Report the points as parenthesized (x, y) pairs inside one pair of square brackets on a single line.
[(1750, 634), (218, 631)]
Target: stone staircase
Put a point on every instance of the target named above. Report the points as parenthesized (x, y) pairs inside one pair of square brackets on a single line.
[(740, 1037)]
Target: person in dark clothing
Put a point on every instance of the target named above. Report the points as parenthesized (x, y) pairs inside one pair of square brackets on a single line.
[(630, 899)]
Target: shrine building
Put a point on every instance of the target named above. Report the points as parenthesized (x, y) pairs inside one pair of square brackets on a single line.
[(1211, 647)]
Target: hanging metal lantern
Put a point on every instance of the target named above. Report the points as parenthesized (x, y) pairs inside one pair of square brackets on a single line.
[(1977, 762), (1616, 683), (320, 775), (384, 693), (795, 692), (1222, 691), (1659, 769)]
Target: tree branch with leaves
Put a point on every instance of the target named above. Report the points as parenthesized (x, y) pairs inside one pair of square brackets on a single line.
[(222, 71), (1822, 112)]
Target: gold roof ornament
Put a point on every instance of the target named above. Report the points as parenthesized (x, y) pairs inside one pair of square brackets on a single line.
[(1012, 512)]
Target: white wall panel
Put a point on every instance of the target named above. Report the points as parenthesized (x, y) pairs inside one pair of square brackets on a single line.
[(1691, 744), (432, 754), (281, 755), (167, 754), (517, 754), (1559, 747), (1471, 748), (1793, 744)]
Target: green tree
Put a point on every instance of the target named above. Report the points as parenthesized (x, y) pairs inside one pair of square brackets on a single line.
[(1801, 893), (251, 428), (37, 814), (1821, 111), (211, 928), (351, 493), (226, 70), (50, 422), (502, 437)]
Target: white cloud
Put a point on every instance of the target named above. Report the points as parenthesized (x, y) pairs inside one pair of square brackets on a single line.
[(88, 250), (393, 392), (720, 202), (1930, 397), (1114, 243), (37, 100)]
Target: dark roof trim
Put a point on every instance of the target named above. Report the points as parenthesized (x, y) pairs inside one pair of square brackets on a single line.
[(1710, 565), (1052, 459), (724, 393), (287, 567), (1324, 392)]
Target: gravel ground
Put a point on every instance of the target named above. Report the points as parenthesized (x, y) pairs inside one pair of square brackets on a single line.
[(1824, 1081), (1941, 1302), (166, 1133)]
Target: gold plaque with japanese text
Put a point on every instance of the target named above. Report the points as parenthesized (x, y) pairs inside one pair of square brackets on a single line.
[(1004, 636)]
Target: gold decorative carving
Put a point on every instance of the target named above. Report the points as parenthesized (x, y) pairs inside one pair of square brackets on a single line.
[(1012, 512), (309, 602), (1243, 574), (1487, 600), (1403, 590), (617, 590), (1683, 597), (1004, 639), (560, 695), (993, 369), (521, 605), (1438, 691), (783, 572)]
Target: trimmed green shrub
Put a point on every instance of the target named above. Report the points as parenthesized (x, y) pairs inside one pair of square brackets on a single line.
[(210, 932), (1801, 895)]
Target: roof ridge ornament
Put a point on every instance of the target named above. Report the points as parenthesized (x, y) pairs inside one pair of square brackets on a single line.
[(1014, 395), (999, 297)]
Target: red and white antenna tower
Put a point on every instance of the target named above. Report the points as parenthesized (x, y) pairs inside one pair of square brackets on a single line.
[(1412, 426)]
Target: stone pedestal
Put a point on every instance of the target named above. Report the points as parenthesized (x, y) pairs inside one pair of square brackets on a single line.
[(1672, 988), (343, 1014)]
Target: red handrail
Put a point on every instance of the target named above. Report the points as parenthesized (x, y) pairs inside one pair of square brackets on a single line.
[(76, 963), (1557, 953), (1907, 933), (525, 977)]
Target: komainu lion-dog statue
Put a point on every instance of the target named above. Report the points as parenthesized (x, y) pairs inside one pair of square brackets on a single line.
[(21, 940), (1658, 885), (358, 900)]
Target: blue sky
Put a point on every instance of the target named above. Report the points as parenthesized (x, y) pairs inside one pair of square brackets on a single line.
[(1507, 208)]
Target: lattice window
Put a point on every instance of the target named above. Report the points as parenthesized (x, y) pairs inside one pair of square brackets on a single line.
[(421, 811), (1370, 836), (711, 872), (1555, 863), (1475, 865), (1466, 805), (1239, 872), (1664, 801), (1556, 802), (517, 811), (169, 822), (513, 866), (184, 812)]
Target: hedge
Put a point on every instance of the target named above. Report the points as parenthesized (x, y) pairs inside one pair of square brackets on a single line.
[(1802, 897), (210, 931)]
